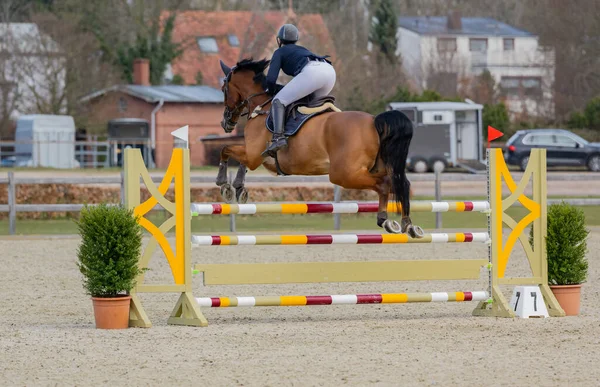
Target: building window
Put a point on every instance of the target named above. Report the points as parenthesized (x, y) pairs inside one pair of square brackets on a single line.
[(410, 114), (479, 45), (445, 83), (509, 44), (233, 41), (122, 105), (208, 44), (446, 44), (521, 86), (510, 86)]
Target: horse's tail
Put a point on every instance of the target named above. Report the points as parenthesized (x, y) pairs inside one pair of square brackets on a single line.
[(395, 132)]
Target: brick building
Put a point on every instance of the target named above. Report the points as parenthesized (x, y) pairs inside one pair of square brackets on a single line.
[(207, 37), (166, 108)]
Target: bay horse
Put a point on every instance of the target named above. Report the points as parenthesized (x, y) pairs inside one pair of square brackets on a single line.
[(356, 150)]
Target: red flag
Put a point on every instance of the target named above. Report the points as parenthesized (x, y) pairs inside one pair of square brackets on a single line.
[(493, 134)]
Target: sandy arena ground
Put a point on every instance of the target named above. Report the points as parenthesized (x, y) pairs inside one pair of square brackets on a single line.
[(47, 333)]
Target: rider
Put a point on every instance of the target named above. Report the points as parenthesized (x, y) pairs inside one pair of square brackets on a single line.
[(312, 74)]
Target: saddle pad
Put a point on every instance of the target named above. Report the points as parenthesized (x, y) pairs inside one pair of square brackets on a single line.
[(293, 122)]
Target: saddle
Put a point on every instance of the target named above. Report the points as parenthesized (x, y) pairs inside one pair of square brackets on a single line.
[(299, 112)]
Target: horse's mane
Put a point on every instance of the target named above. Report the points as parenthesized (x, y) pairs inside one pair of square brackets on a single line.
[(258, 67)]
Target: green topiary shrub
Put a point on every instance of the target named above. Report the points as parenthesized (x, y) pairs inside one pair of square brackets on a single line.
[(566, 245), (111, 243)]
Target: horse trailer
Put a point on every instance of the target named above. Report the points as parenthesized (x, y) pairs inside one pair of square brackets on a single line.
[(446, 134)]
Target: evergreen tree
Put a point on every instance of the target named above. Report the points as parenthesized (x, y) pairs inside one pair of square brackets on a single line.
[(156, 47), (147, 42), (384, 28), (484, 88)]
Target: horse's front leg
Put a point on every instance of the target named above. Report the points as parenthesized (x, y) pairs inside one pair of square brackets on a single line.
[(238, 153), (241, 193)]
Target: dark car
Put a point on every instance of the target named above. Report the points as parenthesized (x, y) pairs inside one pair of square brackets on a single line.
[(563, 148)]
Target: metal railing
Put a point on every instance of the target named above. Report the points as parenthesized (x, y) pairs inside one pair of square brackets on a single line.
[(12, 208), (88, 154)]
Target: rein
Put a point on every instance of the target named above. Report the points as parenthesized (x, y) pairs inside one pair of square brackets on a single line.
[(257, 110), (242, 105)]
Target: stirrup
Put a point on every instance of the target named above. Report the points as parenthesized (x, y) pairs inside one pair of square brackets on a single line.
[(272, 149), (268, 152)]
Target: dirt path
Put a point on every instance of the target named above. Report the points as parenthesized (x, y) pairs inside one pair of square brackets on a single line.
[(47, 334)]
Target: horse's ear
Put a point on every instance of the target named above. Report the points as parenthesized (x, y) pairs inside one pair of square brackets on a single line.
[(226, 70), (267, 62)]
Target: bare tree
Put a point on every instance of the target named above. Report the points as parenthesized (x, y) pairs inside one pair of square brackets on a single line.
[(9, 97), (364, 73), (85, 70), (9, 77)]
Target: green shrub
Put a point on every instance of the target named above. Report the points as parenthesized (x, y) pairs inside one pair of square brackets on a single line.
[(110, 249), (177, 80), (495, 116), (566, 245), (428, 96), (577, 120), (592, 113)]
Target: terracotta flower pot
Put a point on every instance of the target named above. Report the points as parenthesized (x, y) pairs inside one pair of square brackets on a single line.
[(111, 313), (568, 297)]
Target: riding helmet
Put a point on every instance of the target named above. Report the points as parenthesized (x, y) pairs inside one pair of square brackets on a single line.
[(288, 33)]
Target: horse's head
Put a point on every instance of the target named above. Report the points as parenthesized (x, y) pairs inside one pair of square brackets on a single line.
[(233, 100), (242, 82)]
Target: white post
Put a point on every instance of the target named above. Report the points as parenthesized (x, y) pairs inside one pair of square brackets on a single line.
[(122, 187), (12, 204), (231, 216), (337, 197), (438, 197)]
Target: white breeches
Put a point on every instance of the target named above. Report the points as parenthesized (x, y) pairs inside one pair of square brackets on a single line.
[(316, 77)]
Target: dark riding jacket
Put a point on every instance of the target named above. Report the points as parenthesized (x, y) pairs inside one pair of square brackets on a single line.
[(290, 58)]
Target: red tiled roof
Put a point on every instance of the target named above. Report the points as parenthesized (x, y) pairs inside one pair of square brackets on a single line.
[(255, 31)]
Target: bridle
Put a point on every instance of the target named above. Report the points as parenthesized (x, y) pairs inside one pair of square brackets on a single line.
[(227, 123)]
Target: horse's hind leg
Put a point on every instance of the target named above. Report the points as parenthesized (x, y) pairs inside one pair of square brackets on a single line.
[(383, 190), (363, 179)]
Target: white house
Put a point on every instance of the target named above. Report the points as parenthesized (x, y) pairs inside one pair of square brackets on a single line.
[(32, 71), (445, 53)]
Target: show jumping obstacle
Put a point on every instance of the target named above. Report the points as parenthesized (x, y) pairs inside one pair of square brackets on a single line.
[(335, 239), (347, 299), (491, 302), (330, 208)]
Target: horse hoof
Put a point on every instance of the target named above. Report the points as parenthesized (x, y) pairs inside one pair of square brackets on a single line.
[(227, 193), (392, 226), (241, 195), (415, 232)]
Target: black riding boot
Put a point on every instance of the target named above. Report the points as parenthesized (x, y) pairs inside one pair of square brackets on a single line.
[(279, 140)]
